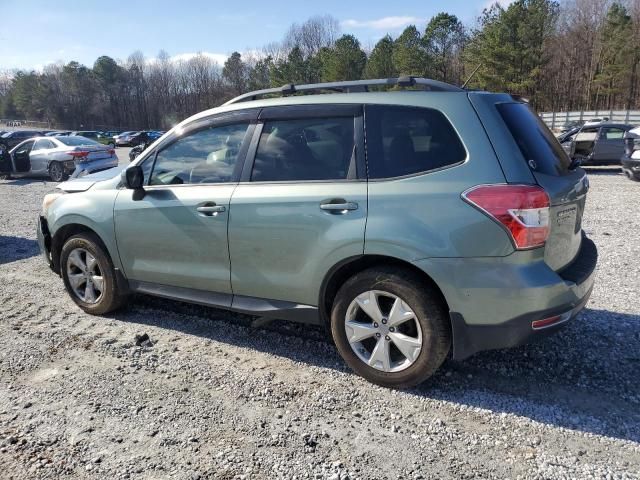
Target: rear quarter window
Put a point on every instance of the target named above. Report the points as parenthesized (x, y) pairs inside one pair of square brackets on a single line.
[(408, 140), (540, 148)]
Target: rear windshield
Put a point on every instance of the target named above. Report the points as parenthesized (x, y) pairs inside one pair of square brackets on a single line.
[(75, 141), (538, 145)]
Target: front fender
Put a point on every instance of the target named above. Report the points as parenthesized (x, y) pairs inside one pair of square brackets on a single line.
[(91, 209)]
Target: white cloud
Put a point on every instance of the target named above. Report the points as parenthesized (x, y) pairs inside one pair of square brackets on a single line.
[(384, 23)]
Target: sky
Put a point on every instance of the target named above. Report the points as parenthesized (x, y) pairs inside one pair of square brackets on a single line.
[(34, 33)]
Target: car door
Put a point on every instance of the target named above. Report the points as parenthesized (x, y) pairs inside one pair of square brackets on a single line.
[(20, 157), (40, 155), (176, 235), (610, 144), (301, 205)]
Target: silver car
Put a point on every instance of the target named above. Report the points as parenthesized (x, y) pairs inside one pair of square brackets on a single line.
[(60, 157)]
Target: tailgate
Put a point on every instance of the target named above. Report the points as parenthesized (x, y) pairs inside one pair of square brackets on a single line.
[(567, 194), (540, 151)]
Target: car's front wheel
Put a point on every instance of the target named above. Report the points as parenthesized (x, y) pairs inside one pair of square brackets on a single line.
[(56, 172), (89, 275), (391, 327)]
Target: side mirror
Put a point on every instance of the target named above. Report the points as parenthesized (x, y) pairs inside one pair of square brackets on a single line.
[(133, 178)]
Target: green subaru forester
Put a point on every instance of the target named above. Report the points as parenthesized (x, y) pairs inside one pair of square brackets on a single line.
[(412, 222)]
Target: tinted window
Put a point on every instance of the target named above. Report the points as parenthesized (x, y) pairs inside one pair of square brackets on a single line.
[(43, 144), (205, 156), (304, 149), (76, 141), (538, 145), (404, 141)]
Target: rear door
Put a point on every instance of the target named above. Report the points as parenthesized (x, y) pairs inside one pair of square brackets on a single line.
[(40, 155), (549, 164), (302, 203)]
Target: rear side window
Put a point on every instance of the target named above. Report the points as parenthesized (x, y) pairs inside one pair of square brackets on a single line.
[(538, 145), (405, 141), (304, 149)]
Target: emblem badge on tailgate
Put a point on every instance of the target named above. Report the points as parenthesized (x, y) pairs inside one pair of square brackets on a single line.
[(568, 215)]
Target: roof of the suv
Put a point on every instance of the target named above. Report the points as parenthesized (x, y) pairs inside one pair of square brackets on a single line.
[(337, 92)]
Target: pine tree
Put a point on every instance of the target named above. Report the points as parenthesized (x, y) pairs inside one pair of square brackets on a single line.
[(409, 56), (380, 62), (344, 61)]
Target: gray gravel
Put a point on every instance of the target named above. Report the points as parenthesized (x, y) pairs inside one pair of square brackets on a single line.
[(207, 396)]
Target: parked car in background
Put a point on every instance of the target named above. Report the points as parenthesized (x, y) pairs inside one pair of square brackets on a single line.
[(11, 139), (97, 136), (599, 144), (473, 218), (59, 157), (144, 137), (571, 125), (124, 139), (566, 138), (630, 161)]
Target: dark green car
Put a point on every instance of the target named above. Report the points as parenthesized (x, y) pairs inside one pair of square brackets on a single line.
[(411, 223), (100, 137)]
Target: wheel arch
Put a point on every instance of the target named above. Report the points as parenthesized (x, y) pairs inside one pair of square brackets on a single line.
[(65, 232), (348, 267)]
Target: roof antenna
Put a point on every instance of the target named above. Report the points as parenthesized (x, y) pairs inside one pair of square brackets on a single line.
[(471, 76)]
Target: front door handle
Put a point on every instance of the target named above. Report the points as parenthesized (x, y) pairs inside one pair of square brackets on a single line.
[(338, 206), (210, 209)]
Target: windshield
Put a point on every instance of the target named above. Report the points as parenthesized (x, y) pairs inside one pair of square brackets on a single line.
[(538, 145), (76, 141)]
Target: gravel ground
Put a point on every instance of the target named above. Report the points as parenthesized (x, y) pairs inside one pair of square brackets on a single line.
[(208, 396)]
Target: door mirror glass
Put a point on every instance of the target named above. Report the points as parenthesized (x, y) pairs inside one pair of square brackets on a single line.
[(133, 177)]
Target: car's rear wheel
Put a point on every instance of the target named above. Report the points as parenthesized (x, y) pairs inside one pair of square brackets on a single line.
[(89, 275), (56, 172), (391, 327)]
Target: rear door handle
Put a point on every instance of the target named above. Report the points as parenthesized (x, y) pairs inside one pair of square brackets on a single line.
[(210, 209), (338, 206)]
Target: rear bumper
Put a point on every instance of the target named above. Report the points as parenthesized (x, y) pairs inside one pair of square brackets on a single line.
[(494, 305)]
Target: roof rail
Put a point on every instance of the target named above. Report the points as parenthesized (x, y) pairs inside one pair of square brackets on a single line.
[(349, 87)]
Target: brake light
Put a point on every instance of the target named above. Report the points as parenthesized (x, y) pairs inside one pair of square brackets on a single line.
[(522, 209), (79, 153), (111, 151)]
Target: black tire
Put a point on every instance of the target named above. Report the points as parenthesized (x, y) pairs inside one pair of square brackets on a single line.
[(56, 172), (430, 312), (111, 297)]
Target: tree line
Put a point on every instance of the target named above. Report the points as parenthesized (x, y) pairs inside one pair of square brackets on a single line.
[(566, 55)]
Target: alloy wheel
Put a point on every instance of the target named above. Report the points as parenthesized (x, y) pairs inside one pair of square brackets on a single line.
[(56, 172), (383, 331), (85, 275)]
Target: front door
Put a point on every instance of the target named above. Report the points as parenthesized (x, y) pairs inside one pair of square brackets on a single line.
[(301, 207), (21, 161), (176, 235)]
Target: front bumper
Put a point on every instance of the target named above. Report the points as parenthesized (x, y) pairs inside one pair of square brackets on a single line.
[(493, 303), (44, 240)]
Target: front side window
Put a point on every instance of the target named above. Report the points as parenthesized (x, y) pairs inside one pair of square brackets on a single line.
[(406, 141), (304, 149), (204, 156)]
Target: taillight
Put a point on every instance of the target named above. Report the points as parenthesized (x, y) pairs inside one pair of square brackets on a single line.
[(111, 151), (79, 153), (522, 209)]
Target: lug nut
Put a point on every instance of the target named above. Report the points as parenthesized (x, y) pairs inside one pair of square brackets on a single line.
[(375, 325), (392, 329), (377, 335), (384, 320), (386, 337)]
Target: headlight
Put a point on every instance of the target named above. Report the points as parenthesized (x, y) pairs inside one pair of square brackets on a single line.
[(49, 198)]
